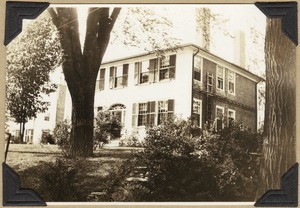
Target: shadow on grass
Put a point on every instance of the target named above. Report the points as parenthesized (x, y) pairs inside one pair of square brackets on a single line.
[(89, 175)]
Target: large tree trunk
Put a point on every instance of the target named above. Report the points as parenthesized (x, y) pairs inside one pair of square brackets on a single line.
[(81, 67), (279, 148)]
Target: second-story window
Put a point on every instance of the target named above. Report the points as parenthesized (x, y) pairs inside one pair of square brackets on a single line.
[(198, 68), (220, 78), (100, 82), (118, 76), (231, 82), (167, 67), (145, 71)]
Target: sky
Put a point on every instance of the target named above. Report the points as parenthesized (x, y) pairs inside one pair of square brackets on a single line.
[(240, 18)]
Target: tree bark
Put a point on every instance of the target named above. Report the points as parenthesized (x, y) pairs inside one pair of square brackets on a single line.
[(22, 130), (81, 68), (279, 147)]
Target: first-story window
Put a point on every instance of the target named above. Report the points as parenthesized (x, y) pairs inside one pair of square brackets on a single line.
[(231, 114), (219, 118), (197, 111), (28, 135), (165, 110), (231, 117), (148, 114), (142, 114)]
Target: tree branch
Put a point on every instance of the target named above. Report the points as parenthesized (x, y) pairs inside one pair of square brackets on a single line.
[(114, 15), (54, 16)]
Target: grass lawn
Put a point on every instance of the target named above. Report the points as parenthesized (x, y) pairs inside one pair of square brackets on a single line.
[(30, 161)]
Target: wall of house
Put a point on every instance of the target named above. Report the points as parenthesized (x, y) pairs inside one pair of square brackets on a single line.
[(245, 89), (178, 88), (242, 116)]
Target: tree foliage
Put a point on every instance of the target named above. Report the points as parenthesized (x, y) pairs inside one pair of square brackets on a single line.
[(144, 27), (30, 58)]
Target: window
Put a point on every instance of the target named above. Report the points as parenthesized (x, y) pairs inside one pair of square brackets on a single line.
[(142, 116), (100, 82), (197, 112), (167, 67), (198, 68), (146, 113), (145, 71), (219, 118), (220, 78), (28, 135), (165, 110), (231, 82), (231, 114), (118, 76), (210, 79)]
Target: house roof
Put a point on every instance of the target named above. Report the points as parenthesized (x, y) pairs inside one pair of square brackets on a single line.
[(256, 77)]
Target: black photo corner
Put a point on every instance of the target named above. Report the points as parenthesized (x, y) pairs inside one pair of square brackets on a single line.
[(14, 195)]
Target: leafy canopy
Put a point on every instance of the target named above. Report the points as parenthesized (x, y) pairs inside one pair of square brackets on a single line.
[(30, 58)]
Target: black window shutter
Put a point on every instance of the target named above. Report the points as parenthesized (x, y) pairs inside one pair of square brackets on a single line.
[(152, 69), (172, 66), (125, 74)]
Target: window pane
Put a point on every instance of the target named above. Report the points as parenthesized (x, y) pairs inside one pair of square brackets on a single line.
[(144, 77)]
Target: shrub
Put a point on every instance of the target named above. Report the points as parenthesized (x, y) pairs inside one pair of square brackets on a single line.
[(107, 127), (131, 141), (60, 181), (182, 166), (48, 139), (61, 134)]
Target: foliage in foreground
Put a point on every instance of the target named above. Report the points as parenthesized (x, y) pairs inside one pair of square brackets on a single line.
[(60, 181), (181, 167)]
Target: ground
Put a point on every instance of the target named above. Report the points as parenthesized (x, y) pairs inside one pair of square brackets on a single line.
[(29, 162)]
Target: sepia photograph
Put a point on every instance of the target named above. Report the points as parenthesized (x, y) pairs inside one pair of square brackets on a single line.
[(151, 103)]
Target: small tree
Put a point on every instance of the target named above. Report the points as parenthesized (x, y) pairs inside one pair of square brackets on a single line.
[(30, 58)]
